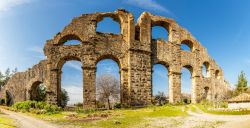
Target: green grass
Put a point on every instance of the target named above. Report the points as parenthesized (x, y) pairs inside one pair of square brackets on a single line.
[(6, 122), (220, 112), (121, 118)]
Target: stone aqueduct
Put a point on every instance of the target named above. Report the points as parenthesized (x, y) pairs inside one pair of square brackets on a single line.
[(133, 50)]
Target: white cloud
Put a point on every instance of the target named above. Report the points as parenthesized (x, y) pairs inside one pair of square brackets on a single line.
[(147, 4), (75, 65), (75, 94), (6, 5)]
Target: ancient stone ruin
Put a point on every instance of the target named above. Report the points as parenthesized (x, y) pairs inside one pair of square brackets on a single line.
[(135, 52)]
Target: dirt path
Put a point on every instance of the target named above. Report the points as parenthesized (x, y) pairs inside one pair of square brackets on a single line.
[(27, 121), (199, 119), (230, 121)]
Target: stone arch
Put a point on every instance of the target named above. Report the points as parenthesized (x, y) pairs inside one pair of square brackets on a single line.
[(190, 68), (113, 16), (63, 60), (68, 37), (166, 66), (206, 90), (118, 62), (71, 81), (114, 74), (206, 71), (189, 44), (30, 85), (9, 98), (217, 74), (109, 56), (33, 91), (162, 24), (189, 97), (59, 66), (102, 26)]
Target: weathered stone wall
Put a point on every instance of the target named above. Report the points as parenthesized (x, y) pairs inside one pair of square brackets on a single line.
[(20, 84), (134, 51)]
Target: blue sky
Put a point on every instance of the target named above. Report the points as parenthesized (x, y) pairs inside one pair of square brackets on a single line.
[(221, 26)]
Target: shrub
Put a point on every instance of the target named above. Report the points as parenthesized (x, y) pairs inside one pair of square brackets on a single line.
[(78, 104), (36, 107), (40, 105), (2, 102), (117, 105), (223, 105), (64, 98), (206, 103)]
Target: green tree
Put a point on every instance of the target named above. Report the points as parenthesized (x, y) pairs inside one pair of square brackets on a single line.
[(241, 86), (4, 78), (64, 98), (7, 75), (160, 98), (41, 92)]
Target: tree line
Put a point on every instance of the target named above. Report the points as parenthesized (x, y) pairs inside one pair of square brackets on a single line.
[(5, 76), (241, 86)]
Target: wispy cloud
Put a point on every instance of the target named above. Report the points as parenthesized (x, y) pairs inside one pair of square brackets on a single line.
[(38, 52), (6, 5), (37, 49), (161, 74), (77, 66), (148, 4)]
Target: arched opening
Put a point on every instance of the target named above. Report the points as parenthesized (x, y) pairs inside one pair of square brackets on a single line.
[(9, 98), (72, 42), (108, 25), (71, 87), (38, 91), (186, 84), (160, 87), (205, 93), (108, 94), (217, 74), (205, 69), (187, 45), (159, 33)]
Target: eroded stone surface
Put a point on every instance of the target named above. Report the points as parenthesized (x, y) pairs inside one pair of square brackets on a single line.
[(133, 50)]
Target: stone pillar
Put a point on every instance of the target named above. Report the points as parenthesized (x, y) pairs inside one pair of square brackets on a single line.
[(52, 87), (89, 87), (174, 87), (124, 89), (27, 94), (140, 78), (195, 89)]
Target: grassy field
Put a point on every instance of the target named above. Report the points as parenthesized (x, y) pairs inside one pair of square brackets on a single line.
[(170, 116), (6, 122), (122, 118), (221, 112)]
